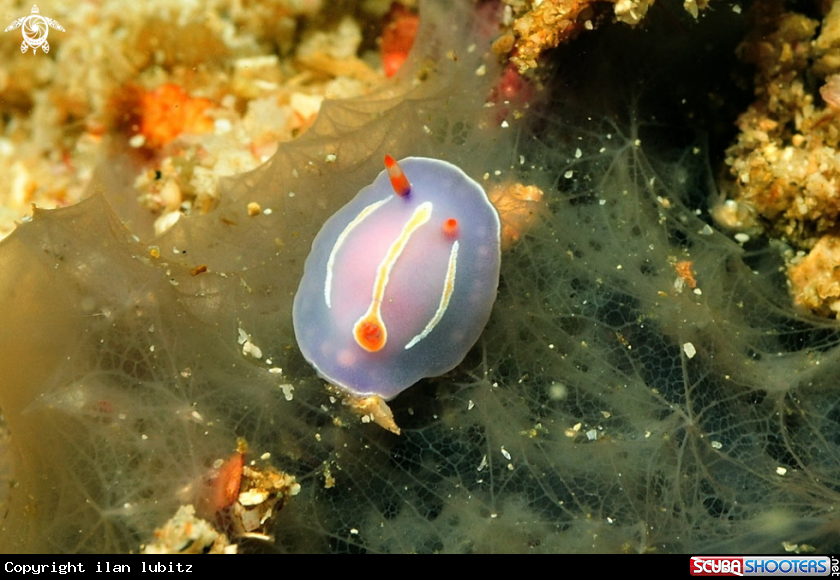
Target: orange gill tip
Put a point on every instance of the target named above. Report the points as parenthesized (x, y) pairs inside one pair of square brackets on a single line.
[(398, 179), (450, 228)]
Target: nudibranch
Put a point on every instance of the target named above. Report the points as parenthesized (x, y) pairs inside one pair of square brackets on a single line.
[(400, 282)]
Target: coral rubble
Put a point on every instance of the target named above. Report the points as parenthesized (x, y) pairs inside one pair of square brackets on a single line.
[(785, 160)]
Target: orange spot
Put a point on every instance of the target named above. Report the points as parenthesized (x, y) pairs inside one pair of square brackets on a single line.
[(398, 179), (450, 228), (222, 487), (370, 335), (684, 271), (393, 62), (168, 111), (398, 34)]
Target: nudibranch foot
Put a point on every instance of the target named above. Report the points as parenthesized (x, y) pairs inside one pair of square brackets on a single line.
[(375, 410)]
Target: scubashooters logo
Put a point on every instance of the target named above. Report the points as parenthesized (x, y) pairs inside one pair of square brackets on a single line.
[(762, 566)]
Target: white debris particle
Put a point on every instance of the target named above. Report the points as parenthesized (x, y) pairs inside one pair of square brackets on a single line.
[(253, 497), (592, 434), (275, 370), (330, 158), (505, 453), (288, 391), (481, 71), (781, 470), (689, 350), (578, 153), (265, 456), (569, 174), (354, 531), (251, 349), (248, 347), (742, 238), (137, 141), (470, 405), (717, 445), (222, 126), (483, 464), (557, 391)]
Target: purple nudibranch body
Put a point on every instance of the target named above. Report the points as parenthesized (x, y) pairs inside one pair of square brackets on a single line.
[(400, 282)]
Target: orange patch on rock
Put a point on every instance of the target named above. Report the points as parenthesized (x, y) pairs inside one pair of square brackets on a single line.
[(221, 489), (397, 37), (168, 111)]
